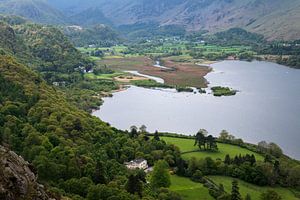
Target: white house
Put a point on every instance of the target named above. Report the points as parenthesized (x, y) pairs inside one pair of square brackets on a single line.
[(137, 164)]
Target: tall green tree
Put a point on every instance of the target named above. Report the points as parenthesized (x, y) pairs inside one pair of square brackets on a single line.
[(160, 176), (235, 193), (248, 197), (200, 139), (134, 185), (156, 136)]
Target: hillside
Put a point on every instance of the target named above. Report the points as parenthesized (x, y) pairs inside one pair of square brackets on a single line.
[(274, 19), (74, 153), (99, 35), (43, 48), (35, 10)]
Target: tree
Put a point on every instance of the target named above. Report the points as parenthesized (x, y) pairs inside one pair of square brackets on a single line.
[(224, 135), (235, 193), (160, 176), (294, 176), (143, 129), (200, 139), (227, 159), (275, 150), (211, 143), (134, 185), (100, 173), (270, 195), (248, 197), (156, 136), (133, 131)]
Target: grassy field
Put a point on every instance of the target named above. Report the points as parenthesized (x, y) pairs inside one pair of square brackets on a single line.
[(103, 76), (253, 190), (187, 145), (188, 189)]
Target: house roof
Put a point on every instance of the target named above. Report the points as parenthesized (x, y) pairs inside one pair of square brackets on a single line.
[(136, 161)]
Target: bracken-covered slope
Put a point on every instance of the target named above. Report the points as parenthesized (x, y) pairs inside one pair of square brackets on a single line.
[(276, 19)]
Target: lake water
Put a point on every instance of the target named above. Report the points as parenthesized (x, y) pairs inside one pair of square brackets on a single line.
[(266, 108)]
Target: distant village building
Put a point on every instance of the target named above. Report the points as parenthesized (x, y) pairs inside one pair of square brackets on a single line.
[(137, 164), (61, 83)]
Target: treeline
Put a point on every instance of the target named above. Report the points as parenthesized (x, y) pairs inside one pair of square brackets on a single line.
[(99, 35), (150, 30)]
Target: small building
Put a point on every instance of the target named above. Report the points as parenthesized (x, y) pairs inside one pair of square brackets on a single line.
[(137, 164)]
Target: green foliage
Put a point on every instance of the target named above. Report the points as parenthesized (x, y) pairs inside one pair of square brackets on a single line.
[(149, 84), (270, 195), (235, 193), (160, 176), (99, 35), (237, 36), (184, 89), (208, 142), (69, 148), (223, 91)]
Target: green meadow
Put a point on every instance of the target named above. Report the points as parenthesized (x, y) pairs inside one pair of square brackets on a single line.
[(189, 150), (188, 189), (254, 190)]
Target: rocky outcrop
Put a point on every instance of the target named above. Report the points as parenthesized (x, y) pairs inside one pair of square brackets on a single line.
[(17, 180)]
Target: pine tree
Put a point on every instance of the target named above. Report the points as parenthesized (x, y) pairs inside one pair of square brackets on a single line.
[(248, 197), (235, 193), (156, 136), (227, 160)]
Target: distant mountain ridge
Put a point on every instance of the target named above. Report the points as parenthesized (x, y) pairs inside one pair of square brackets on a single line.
[(275, 19)]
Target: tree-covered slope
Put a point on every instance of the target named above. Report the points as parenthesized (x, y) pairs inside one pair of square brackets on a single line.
[(74, 153), (43, 48), (100, 35)]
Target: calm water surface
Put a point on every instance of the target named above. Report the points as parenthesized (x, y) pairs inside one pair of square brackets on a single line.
[(266, 108)]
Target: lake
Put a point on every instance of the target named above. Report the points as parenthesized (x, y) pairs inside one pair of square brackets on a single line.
[(266, 108)]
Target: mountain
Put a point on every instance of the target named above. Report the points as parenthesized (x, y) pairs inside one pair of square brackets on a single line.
[(35, 10), (275, 19)]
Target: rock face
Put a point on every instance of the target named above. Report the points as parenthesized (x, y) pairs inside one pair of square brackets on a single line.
[(17, 181)]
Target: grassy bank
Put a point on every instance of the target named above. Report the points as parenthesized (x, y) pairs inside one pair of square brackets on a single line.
[(188, 189), (187, 147), (254, 190)]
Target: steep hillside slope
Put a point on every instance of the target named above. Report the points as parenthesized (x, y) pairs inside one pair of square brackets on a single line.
[(275, 19), (43, 48), (35, 10)]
